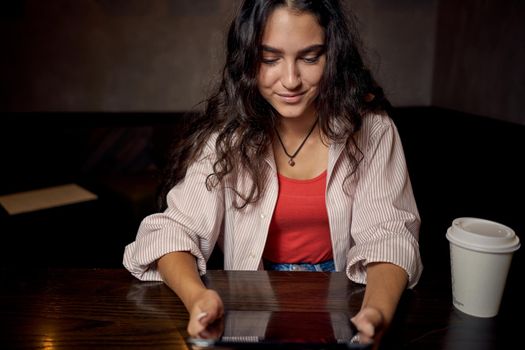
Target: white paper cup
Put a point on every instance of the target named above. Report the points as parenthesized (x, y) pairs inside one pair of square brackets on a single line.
[(480, 256)]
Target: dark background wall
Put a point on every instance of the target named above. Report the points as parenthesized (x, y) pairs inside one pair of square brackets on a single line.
[(109, 55), (399, 37), (164, 55), (480, 51)]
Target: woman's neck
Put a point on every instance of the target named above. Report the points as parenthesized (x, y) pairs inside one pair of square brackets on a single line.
[(296, 127)]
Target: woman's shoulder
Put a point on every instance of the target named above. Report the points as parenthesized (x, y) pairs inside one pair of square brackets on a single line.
[(377, 119), (204, 149), (211, 141), (376, 123)]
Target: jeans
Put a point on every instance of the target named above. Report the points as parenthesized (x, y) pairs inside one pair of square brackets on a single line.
[(326, 266)]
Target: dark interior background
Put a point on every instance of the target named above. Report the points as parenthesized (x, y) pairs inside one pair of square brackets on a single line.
[(165, 55), (95, 91)]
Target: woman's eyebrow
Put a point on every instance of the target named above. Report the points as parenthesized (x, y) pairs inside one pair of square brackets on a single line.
[(309, 49), (313, 48), (270, 49)]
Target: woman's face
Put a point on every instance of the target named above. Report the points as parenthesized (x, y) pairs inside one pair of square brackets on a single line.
[(292, 62)]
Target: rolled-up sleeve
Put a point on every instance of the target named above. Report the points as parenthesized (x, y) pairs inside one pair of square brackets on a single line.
[(385, 218), (192, 222)]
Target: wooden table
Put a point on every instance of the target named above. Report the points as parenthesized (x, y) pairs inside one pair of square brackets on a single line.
[(108, 308)]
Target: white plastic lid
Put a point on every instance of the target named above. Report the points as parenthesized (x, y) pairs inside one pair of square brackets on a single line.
[(482, 235)]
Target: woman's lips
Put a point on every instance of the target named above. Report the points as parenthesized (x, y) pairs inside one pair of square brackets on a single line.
[(291, 98)]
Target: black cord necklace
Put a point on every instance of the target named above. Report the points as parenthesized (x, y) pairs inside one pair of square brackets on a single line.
[(292, 156)]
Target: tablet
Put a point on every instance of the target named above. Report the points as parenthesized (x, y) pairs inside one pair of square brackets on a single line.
[(282, 330)]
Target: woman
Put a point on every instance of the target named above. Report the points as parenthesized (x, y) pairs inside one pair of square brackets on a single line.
[(295, 164)]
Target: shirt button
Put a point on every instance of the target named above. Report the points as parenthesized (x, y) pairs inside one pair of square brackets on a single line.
[(252, 255), (263, 216)]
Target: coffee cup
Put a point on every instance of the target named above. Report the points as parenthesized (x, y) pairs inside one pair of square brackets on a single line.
[(480, 257)]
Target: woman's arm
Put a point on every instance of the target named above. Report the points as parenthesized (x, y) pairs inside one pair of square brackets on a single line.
[(179, 271), (384, 287)]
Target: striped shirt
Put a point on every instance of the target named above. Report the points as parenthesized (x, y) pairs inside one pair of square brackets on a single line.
[(373, 216)]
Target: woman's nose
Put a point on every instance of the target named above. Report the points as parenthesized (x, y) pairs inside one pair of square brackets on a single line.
[(291, 77)]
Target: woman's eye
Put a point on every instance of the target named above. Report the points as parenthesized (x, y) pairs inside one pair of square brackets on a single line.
[(269, 60), (311, 59)]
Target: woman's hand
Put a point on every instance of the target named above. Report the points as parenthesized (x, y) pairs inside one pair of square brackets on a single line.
[(385, 285), (369, 322), (206, 312), (179, 272)]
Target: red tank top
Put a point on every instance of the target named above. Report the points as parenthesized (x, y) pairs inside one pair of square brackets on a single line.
[(299, 230)]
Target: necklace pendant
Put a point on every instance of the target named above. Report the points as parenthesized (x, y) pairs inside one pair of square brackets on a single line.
[(291, 162)]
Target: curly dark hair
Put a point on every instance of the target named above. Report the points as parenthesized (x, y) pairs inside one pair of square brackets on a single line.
[(244, 121)]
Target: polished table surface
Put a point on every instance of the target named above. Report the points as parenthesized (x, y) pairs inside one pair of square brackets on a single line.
[(108, 308)]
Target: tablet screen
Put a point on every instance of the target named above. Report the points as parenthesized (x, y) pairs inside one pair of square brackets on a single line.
[(283, 329)]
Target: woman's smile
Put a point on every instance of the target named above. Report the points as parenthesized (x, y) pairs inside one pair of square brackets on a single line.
[(291, 98)]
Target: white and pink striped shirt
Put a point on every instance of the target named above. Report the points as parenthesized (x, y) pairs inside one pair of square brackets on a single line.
[(373, 215)]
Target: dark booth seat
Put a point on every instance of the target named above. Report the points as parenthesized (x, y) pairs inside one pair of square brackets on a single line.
[(460, 165)]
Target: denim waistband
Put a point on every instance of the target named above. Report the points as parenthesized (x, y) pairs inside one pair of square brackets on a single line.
[(326, 266)]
